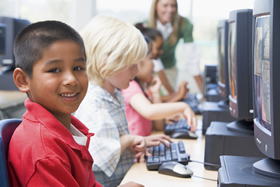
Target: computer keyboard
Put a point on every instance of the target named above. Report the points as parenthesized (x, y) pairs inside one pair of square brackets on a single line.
[(181, 124), (193, 102), (161, 154)]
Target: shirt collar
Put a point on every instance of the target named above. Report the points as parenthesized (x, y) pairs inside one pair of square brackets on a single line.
[(104, 94), (78, 136), (36, 112), (165, 29)]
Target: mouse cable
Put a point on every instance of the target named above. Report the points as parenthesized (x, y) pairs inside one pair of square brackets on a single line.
[(204, 178), (206, 163)]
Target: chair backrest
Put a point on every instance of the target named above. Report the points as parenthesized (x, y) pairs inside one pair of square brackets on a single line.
[(7, 128)]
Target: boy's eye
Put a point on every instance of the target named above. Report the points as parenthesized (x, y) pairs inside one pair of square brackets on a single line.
[(54, 70), (78, 68)]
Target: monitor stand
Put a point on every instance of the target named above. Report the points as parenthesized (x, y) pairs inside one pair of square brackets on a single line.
[(6, 78), (239, 171), (213, 95), (220, 139), (215, 111), (242, 126), (268, 167)]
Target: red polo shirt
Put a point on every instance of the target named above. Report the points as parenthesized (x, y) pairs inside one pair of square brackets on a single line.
[(43, 152)]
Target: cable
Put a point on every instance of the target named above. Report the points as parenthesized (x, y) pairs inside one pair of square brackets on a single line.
[(206, 163), (204, 178)]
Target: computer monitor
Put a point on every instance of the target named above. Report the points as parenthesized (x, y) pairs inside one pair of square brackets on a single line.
[(266, 58), (223, 82), (240, 63), (240, 70), (10, 27)]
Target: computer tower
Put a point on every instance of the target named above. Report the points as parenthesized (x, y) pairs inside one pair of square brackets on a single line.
[(219, 140), (215, 111)]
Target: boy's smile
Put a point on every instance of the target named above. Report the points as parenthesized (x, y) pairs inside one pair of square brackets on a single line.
[(59, 80)]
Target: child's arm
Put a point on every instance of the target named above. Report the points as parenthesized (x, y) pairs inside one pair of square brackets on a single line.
[(153, 88), (177, 96), (161, 110), (135, 143), (165, 81)]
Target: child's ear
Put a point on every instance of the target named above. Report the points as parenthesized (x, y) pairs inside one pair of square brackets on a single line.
[(21, 80)]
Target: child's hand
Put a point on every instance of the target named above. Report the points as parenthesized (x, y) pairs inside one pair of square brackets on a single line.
[(154, 85), (138, 146), (173, 118), (190, 117), (183, 90), (154, 140)]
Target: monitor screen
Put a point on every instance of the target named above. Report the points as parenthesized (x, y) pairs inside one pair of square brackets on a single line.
[(232, 60), (262, 73)]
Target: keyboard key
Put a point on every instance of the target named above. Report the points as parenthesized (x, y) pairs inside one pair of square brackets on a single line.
[(162, 154), (181, 124)]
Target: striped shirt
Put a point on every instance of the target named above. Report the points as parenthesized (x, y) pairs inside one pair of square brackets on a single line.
[(105, 117)]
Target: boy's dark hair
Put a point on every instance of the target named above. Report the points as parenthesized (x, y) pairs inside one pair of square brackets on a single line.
[(37, 37), (148, 31)]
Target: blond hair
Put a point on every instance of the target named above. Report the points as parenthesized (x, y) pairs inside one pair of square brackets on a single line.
[(176, 21), (111, 45)]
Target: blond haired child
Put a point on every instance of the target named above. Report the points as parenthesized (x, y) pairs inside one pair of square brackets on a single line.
[(113, 48)]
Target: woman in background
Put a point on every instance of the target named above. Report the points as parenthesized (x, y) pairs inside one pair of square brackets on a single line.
[(165, 18)]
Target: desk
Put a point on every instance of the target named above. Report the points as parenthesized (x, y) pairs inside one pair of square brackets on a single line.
[(12, 104), (139, 173)]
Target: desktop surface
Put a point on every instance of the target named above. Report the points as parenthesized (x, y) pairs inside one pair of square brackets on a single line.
[(139, 173)]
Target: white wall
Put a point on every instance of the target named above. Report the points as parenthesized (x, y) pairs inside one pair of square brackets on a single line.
[(82, 12)]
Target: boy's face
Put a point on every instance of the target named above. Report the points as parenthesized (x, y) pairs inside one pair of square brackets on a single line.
[(121, 80), (157, 47), (59, 81)]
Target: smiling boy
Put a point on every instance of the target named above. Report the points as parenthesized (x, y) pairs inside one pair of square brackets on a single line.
[(50, 146)]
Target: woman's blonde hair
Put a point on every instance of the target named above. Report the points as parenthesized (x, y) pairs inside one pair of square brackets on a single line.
[(111, 45), (175, 21)]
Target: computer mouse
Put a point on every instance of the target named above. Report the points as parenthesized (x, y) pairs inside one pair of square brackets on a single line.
[(175, 169), (183, 134)]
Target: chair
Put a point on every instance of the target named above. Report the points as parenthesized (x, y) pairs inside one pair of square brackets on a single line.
[(7, 128)]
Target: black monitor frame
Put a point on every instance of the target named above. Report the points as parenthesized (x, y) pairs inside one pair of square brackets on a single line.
[(13, 27), (268, 140), (2, 39), (222, 67), (242, 106), (270, 144)]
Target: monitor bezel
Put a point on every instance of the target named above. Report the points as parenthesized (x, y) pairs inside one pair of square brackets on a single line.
[(8, 58), (4, 39), (224, 88), (269, 143), (242, 106)]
